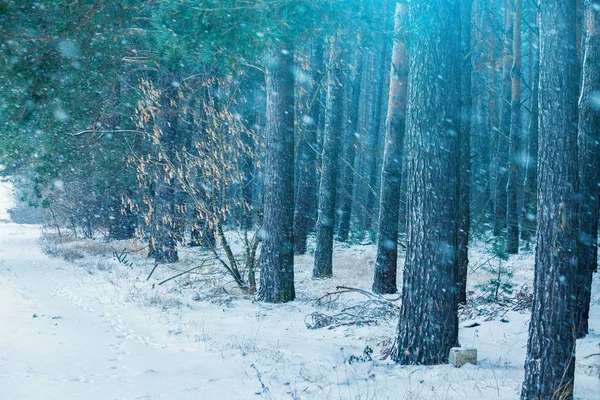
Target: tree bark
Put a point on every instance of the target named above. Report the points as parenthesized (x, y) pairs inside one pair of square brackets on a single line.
[(530, 187), (550, 361), (347, 172), (384, 280), (307, 153), (323, 267), (276, 259), (464, 162), (428, 325), (502, 148), (373, 132), (589, 167), (514, 177), (252, 109)]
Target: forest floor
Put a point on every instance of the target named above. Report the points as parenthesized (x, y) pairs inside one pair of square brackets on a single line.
[(82, 325)]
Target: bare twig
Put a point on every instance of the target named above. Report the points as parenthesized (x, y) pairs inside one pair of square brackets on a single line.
[(180, 274), (151, 272)]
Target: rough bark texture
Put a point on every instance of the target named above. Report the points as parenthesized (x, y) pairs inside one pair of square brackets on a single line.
[(464, 162), (428, 325), (372, 145), (384, 280), (481, 128), (307, 154), (550, 361), (500, 197), (276, 261), (323, 267), (589, 167), (514, 177), (530, 187), (347, 172), (252, 110)]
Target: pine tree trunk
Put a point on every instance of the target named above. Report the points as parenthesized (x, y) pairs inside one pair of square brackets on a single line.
[(372, 150), (502, 149), (428, 325), (347, 172), (589, 167), (494, 84), (481, 133), (364, 121), (514, 177), (550, 361), (323, 267), (530, 187), (247, 162), (384, 280), (307, 154), (276, 261), (464, 163), (123, 221)]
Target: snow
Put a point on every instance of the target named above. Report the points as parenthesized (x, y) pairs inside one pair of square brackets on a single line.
[(6, 199), (93, 328)]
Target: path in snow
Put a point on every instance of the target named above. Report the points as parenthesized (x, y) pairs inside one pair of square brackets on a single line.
[(55, 346)]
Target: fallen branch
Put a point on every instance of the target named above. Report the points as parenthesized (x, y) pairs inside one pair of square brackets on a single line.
[(319, 320), (180, 274), (93, 131), (376, 308), (345, 289), (151, 272)]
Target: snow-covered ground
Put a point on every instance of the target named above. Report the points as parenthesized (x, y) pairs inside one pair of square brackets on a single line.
[(94, 328)]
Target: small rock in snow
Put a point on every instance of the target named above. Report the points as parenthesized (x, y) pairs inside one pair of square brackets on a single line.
[(460, 356)]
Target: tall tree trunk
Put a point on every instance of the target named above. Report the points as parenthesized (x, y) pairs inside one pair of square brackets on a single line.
[(122, 220), (483, 170), (252, 109), (530, 187), (347, 173), (380, 54), (514, 177), (276, 261), (589, 167), (478, 93), (550, 364), (464, 162), (384, 280), (502, 149), (323, 267), (428, 325), (307, 152), (495, 85)]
